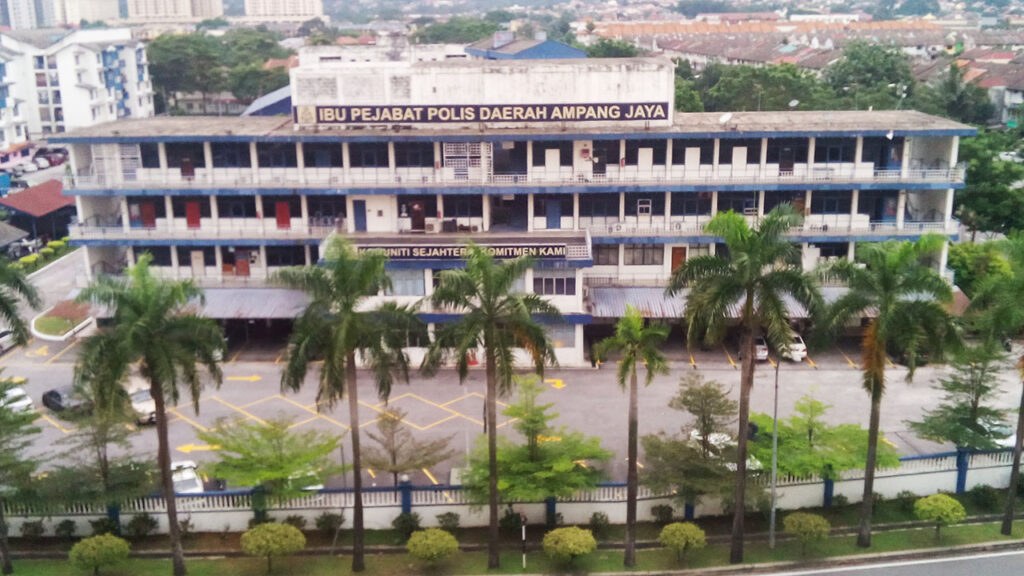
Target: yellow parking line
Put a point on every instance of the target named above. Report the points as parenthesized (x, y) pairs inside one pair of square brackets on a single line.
[(54, 423), (770, 361), (240, 410), (260, 401), (463, 397), (371, 472), (61, 353), (693, 362), (435, 482), (811, 362), (306, 421), (729, 356), (889, 360), (441, 421), (313, 411), (195, 424), (11, 352), (848, 359), (239, 353)]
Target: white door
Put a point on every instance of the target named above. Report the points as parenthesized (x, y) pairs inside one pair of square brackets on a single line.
[(643, 211), (692, 161), (645, 162), (198, 264), (552, 163), (739, 161)]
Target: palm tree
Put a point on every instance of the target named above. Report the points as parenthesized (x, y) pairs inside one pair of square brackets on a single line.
[(761, 270), (637, 344), (15, 288), (998, 308), (893, 282), (154, 324), (335, 328), (494, 318)]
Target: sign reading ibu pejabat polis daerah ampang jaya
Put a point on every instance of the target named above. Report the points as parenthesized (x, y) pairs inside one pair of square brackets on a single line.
[(456, 113)]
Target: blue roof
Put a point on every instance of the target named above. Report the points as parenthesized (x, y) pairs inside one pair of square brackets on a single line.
[(524, 50), (273, 104)]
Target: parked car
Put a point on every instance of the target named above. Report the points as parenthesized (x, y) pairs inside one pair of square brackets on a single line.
[(143, 405), (52, 153), (6, 340), (19, 183), (24, 168), (760, 350), (16, 400), (797, 349), (64, 398), (41, 162), (185, 475)]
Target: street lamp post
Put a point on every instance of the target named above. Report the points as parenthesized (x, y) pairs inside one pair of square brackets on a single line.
[(775, 455)]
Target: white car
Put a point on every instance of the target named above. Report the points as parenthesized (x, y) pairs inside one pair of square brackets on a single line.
[(760, 350), (26, 167), (16, 400), (144, 406), (42, 162), (797, 349), (186, 478), (6, 340)]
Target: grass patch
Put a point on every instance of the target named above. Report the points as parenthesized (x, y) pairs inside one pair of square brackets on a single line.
[(62, 318), (54, 326), (600, 561)]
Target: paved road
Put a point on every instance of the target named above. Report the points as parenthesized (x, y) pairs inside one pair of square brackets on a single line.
[(994, 564)]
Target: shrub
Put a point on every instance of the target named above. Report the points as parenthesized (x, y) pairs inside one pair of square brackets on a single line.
[(33, 530), (406, 524), (662, 514), (449, 522), (65, 529), (682, 537), (56, 244), (906, 500), (330, 522), (99, 552), (186, 527), (46, 252), (510, 522), (295, 520), (840, 500), (940, 509), (806, 528), (270, 540), (254, 522), (877, 498), (599, 524), (986, 497), (564, 545), (431, 545), (29, 260), (105, 525), (140, 526)]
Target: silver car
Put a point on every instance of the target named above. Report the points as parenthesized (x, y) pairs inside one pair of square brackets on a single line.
[(16, 400)]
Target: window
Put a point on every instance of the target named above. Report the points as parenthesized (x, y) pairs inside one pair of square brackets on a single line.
[(644, 255), (276, 155), (406, 283), (231, 155), (368, 154), (161, 254), (834, 150), (561, 335), (414, 154), (833, 249), (150, 152), (463, 207), (707, 151), (564, 152), (829, 202), (658, 148), (185, 255), (286, 256), (427, 201), (177, 152), (606, 255), (607, 151), (688, 204), (322, 154), (180, 205), (541, 202), (326, 207), (727, 147), (554, 283), (787, 150), (236, 207), (655, 201), (738, 202), (599, 206)]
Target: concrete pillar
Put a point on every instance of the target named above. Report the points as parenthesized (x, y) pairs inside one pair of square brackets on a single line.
[(622, 206), (668, 157), (529, 160), (208, 161), (528, 281), (263, 259), (300, 162), (125, 216), (169, 209), (350, 221), (715, 155), (254, 161), (486, 206), (954, 151), (309, 256), (811, 144), (304, 210), (129, 255), (714, 203), (174, 262), (858, 150), (161, 153), (854, 203), (807, 202), (944, 257), (851, 251), (440, 210), (622, 156), (346, 161), (214, 212), (760, 204), (764, 155), (428, 285), (621, 260), (948, 212), (901, 207), (905, 163), (576, 214), (391, 159), (529, 212), (218, 258), (668, 209)]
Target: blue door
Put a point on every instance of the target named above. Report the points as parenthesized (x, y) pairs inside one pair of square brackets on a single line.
[(359, 213), (554, 213)]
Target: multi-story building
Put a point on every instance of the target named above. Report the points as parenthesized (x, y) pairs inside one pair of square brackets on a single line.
[(173, 10), (581, 163), (24, 14), (288, 10), (73, 12), (59, 80)]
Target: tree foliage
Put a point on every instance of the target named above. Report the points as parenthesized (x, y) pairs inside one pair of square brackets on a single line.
[(809, 445), (550, 462), (966, 416), (271, 540), (271, 455), (99, 552), (973, 264), (941, 510), (806, 528), (606, 48), (564, 545), (432, 545), (865, 67), (457, 30), (990, 201), (398, 451), (682, 537), (16, 467), (249, 82)]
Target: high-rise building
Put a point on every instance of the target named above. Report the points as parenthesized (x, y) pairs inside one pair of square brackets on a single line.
[(283, 9), (19, 14), (581, 163), (75, 11), (173, 10)]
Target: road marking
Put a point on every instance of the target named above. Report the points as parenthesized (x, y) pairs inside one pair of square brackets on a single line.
[(61, 353), (729, 356), (279, 357), (441, 421), (848, 359), (54, 423), (435, 482), (889, 360), (250, 378), (972, 558), (306, 421), (195, 424), (41, 352), (189, 448), (446, 408), (770, 361), (693, 363), (313, 412), (542, 439), (371, 473), (260, 401), (811, 362), (239, 353), (12, 351), (639, 464), (240, 410), (555, 383)]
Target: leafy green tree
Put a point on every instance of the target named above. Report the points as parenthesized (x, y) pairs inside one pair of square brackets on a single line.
[(153, 325), (807, 444), (213, 24), (766, 88), (398, 451), (682, 537), (432, 545), (635, 344), (334, 328), (99, 552), (15, 289), (271, 540), (919, 7), (498, 320), (546, 464), (605, 48), (965, 416), (457, 30), (567, 544), (867, 70), (246, 46), (762, 269), (687, 98), (499, 16), (940, 509), (806, 528), (16, 467), (560, 29), (271, 456), (974, 263), (990, 200), (251, 81), (894, 282), (186, 63), (691, 8), (956, 99)]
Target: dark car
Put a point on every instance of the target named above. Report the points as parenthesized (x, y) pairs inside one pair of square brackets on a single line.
[(64, 398)]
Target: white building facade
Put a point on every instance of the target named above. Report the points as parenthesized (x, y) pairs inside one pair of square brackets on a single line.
[(289, 10), (581, 163)]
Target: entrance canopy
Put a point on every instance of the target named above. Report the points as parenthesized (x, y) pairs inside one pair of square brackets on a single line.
[(652, 302)]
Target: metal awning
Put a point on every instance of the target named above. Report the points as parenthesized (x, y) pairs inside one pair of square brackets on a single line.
[(253, 303), (652, 302)]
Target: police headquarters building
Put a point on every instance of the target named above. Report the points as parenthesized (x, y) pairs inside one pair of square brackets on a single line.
[(582, 164)]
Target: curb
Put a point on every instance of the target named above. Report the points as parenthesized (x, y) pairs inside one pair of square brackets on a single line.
[(74, 252), (51, 338)]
